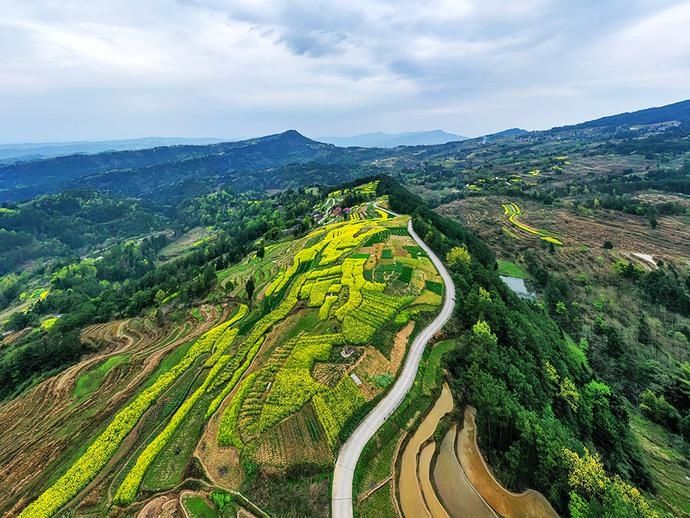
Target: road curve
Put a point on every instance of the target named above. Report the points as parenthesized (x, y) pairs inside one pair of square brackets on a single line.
[(341, 496)]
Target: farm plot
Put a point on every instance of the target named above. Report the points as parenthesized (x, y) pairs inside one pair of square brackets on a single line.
[(354, 309), (66, 425), (512, 211), (274, 380)]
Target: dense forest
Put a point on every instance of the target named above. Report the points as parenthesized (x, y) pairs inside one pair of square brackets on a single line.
[(546, 419)]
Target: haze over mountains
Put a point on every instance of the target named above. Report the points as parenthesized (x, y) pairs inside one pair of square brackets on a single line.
[(38, 150), (390, 140), (289, 157)]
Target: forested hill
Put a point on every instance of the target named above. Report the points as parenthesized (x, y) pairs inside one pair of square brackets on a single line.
[(676, 112), (168, 175), (142, 170)]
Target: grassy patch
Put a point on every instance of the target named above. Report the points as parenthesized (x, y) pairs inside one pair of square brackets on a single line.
[(434, 287), (380, 467), (406, 274), (91, 380), (666, 455), (170, 464), (379, 504), (431, 374), (510, 269), (383, 380), (170, 360), (576, 352), (199, 507), (414, 251)]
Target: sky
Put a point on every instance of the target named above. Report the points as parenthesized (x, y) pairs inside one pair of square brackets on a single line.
[(108, 69)]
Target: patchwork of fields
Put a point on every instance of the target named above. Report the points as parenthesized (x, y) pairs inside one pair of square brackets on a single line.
[(274, 384)]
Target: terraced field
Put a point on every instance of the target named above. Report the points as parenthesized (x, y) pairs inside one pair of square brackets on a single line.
[(64, 416), (512, 211), (230, 390), (629, 233)]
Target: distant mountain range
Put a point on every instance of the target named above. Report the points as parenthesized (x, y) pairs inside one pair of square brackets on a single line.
[(676, 112), (33, 151), (391, 140), (169, 173)]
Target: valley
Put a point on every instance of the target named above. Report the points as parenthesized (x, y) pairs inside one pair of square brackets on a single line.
[(282, 327)]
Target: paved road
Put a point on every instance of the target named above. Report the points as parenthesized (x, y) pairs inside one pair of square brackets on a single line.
[(341, 499)]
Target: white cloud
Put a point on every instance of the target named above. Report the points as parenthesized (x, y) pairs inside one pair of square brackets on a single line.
[(241, 67)]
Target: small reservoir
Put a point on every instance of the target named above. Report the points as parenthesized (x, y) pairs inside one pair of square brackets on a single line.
[(519, 287)]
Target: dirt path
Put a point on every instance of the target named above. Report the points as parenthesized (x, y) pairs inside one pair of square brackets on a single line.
[(528, 504)]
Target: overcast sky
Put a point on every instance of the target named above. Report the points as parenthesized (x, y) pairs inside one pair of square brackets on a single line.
[(105, 69)]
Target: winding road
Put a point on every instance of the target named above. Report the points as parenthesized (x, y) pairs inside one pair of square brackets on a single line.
[(341, 499)]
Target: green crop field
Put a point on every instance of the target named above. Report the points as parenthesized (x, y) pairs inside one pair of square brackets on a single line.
[(512, 211), (91, 380), (255, 372)]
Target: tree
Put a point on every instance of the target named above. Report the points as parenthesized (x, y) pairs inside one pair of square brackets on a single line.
[(685, 427), (594, 493), (458, 255), (261, 252), (568, 392), (249, 287), (20, 320), (644, 333), (659, 410), (651, 214)]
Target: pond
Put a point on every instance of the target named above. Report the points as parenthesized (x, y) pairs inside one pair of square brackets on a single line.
[(519, 287)]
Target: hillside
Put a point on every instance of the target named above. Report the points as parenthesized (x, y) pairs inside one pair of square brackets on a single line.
[(204, 321), (166, 175), (275, 381), (677, 112), (143, 171)]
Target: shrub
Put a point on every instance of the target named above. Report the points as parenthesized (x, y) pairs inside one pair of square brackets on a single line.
[(657, 409), (594, 493), (458, 255)]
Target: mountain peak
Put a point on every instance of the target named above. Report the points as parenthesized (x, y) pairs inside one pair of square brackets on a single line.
[(294, 135)]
